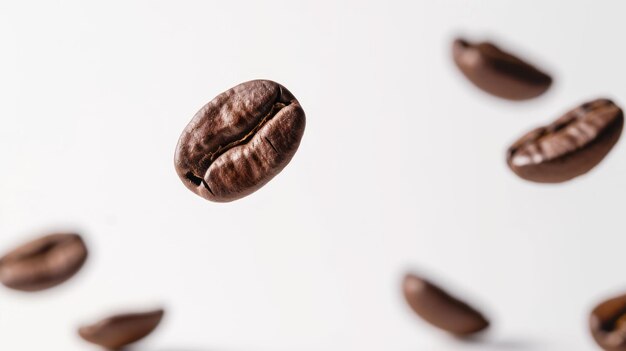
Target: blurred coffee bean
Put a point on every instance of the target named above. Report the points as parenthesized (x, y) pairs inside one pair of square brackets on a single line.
[(120, 330), (498, 72), (43, 263), (438, 308), (570, 146), (608, 324)]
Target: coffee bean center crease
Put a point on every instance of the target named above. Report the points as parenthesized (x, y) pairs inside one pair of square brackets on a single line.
[(213, 155)]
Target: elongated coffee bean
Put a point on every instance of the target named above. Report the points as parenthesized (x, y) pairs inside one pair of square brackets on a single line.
[(118, 331), (570, 146), (43, 263), (498, 72), (438, 308), (240, 140), (608, 324)]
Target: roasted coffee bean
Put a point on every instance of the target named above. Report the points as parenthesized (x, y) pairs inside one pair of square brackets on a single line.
[(569, 147), (608, 324), (43, 263), (440, 309), (498, 72), (118, 331), (239, 141)]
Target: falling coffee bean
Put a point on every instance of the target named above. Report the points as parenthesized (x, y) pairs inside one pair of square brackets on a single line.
[(118, 331), (608, 324), (440, 309), (498, 72), (43, 263), (570, 146), (239, 141)]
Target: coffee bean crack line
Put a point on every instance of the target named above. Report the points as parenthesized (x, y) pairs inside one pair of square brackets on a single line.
[(277, 107)]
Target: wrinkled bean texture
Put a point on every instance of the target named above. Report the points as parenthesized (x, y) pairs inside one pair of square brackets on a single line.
[(43, 263), (498, 72), (570, 146), (440, 309), (240, 140), (120, 330), (608, 324)]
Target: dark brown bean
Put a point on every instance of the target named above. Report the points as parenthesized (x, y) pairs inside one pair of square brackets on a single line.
[(608, 324), (438, 308), (498, 72), (240, 140), (43, 263), (570, 146), (120, 330)]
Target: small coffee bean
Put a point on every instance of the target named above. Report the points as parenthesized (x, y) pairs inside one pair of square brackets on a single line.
[(570, 146), (120, 330), (240, 140), (43, 263), (608, 324), (440, 309), (498, 72)]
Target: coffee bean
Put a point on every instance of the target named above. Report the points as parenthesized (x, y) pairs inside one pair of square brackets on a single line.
[(120, 330), (43, 263), (608, 324), (440, 309), (240, 140), (498, 72), (570, 146)]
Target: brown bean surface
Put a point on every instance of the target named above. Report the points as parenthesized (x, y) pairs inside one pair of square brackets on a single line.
[(608, 324), (498, 72), (240, 140), (440, 309), (120, 330), (570, 146), (43, 263)]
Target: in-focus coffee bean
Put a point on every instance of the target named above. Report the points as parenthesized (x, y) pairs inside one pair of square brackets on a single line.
[(498, 72), (120, 330), (570, 146), (43, 263), (438, 308), (608, 324), (240, 140)]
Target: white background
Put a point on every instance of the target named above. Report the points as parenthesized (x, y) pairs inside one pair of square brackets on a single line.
[(401, 168)]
